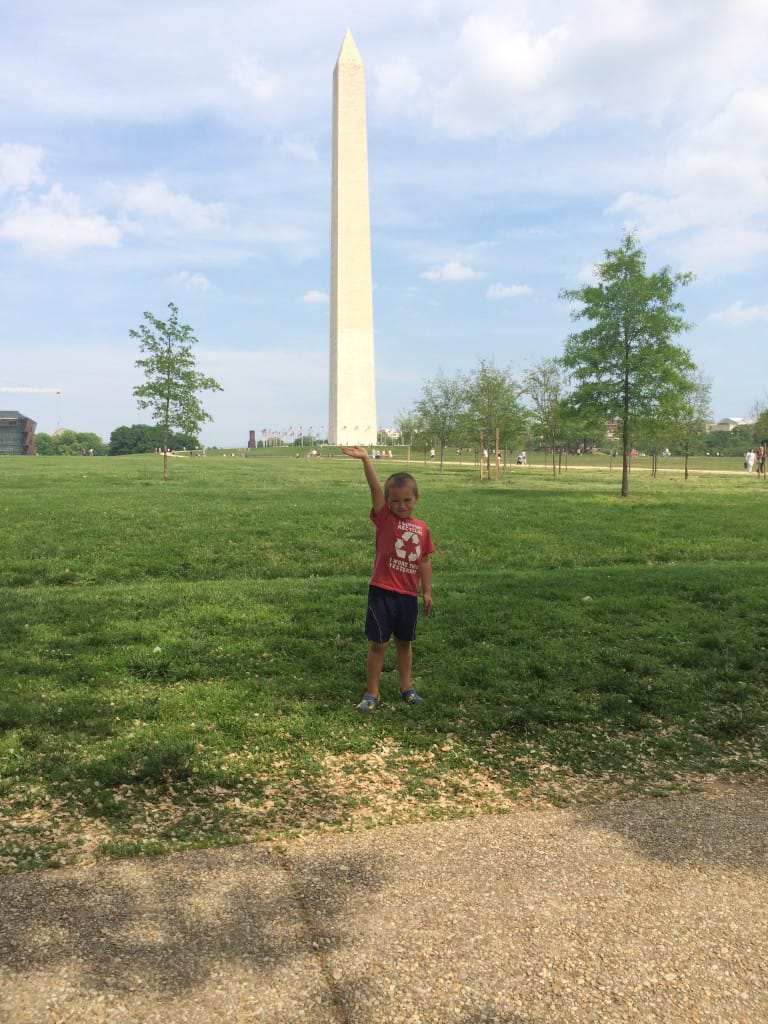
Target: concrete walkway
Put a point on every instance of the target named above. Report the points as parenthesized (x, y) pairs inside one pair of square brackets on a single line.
[(648, 910)]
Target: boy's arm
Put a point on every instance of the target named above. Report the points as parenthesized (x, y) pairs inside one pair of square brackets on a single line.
[(425, 573), (377, 491)]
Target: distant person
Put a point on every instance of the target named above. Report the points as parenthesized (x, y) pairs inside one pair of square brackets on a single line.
[(749, 460), (760, 461), (431, 453), (401, 566)]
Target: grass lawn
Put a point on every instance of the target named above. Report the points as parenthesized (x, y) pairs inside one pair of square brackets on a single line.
[(180, 662)]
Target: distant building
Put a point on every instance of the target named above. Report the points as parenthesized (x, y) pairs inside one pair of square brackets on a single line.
[(17, 434), (729, 423), (612, 428)]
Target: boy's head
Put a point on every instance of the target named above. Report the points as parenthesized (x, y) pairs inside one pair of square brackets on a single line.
[(401, 492)]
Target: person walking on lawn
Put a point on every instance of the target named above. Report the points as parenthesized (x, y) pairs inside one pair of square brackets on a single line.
[(401, 566)]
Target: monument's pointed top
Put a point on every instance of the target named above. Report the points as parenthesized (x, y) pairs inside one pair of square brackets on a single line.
[(349, 53)]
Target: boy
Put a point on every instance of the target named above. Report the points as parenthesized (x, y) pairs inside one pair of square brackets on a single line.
[(403, 547)]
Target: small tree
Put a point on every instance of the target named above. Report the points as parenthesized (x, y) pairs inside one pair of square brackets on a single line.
[(407, 424), (759, 417), (172, 380), (546, 386), (439, 409), (626, 364), (493, 407), (693, 416)]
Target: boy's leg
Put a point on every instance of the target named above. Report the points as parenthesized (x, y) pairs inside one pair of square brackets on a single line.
[(376, 654), (404, 662)]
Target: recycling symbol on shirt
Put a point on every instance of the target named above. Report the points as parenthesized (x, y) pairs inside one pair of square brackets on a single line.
[(407, 546)]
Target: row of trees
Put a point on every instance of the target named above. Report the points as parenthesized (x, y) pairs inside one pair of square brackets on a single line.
[(624, 367), (142, 437), (135, 440), (69, 442)]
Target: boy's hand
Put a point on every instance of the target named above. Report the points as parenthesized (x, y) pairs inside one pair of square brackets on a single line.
[(428, 606), (377, 492)]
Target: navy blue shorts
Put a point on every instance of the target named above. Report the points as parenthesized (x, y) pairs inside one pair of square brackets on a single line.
[(390, 613)]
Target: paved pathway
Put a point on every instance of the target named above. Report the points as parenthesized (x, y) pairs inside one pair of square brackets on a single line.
[(642, 911)]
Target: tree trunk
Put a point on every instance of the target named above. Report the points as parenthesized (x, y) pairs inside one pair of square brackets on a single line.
[(625, 440)]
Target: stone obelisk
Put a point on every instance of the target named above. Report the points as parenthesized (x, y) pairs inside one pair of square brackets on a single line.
[(352, 412)]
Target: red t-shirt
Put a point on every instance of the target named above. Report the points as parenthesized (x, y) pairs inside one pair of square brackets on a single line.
[(401, 544)]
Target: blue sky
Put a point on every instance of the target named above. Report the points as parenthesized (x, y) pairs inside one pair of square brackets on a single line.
[(180, 152)]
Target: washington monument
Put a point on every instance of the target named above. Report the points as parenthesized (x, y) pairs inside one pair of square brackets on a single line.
[(352, 409)]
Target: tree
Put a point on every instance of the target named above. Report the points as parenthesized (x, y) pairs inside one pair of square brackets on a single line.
[(69, 442), (408, 427), (759, 416), (135, 440), (492, 400), (439, 408), (144, 437), (546, 386), (172, 380), (625, 364), (694, 414), (45, 444), (729, 442)]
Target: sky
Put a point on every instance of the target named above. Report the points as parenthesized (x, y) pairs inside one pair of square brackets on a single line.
[(181, 152)]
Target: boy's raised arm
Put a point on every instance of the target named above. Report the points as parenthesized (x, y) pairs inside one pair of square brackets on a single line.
[(377, 491)]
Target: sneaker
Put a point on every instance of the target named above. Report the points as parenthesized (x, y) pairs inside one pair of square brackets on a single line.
[(368, 705), (411, 698)]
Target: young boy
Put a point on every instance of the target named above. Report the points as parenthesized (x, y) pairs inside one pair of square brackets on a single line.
[(403, 547)]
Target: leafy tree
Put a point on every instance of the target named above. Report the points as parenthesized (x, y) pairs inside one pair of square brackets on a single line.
[(694, 414), (492, 404), (172, 380), (409, 427), (145, 437), (582, 427), (729, 442), (91, 442), (439, 409), (69, 442), (546, 386), (134, 440), (45, 444), (760, 424), (625, 364)]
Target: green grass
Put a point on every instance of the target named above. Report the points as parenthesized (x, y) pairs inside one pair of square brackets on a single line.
[(180, 661)]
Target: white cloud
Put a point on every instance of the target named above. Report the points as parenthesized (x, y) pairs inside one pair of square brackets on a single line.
[(711, 189), (739, 315), (504, 76), (314, 297), (298, 150), (154, 199), (451, 271), (55, 224), (399, 86), (260, 85), (20, 166), (511, 291), (191, 282), (520, 70)]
